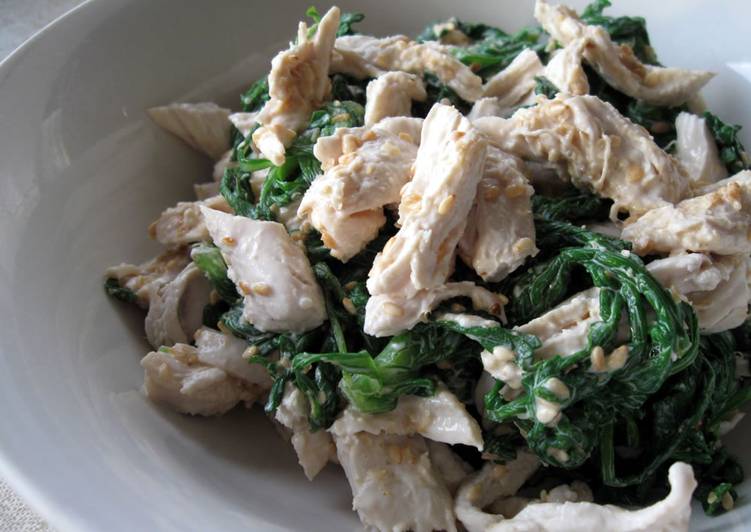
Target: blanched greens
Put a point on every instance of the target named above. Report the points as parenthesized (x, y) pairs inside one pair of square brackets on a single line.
[(732, 152)]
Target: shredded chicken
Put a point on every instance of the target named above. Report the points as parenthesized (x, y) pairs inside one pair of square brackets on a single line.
[(672, 514), (364, 170), (183, 224), (500, 233), (697, 150), (617, 64), (408, 276), (363, 56), (515, 84), (298, 84), (440, 418), (452, 469), (176, 308), (203, 126), (177, 377), (716, 287), (394, 485), (145, 279), (564, 69), (718, 221), (270, 271), (595, 147), (391, 94), (314, 449)]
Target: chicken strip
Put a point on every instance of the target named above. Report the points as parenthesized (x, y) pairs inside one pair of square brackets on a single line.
[(719, 221), (391, 94), (363, 56), (271, 272), (177, 377), (617, 64), (364, 169), (595, 147), (183, 224), (696, 149), (408, 276), (394, 485), (298, 84), (144, 280), (176, 308), (440, 417), (500, 233), (716, 287), (202, 126), (314, 449)]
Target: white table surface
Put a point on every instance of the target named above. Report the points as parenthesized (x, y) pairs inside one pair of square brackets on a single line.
[(19, 19)]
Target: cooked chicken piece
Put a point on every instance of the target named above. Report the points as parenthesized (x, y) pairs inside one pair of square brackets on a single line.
[(489, 107), (617, 64), (466, 320), (298, 84), (183, 224), (391, 94), (363, 56), (394, 485), (228, 353), (314, 449), (408, 277), (390, 313), (364, 169), (270, 271), (696, 149), (145, 279), (500, 233), (564, 69), (563, 329), (202, 126), (221, 165), (515, 84), (595, 147), (452, 469), (449, 32), (672, 514), (244, 122), (175, 376), (717, 287), (492, 482), (440, 418), (719, 221), (176, 308), (204, 191)]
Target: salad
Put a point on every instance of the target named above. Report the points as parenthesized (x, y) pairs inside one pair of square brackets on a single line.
[(501, 279)]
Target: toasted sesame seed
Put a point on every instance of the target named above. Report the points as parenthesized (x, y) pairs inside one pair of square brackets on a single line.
[(350, 285), (393, 309), (447, 204), (456, 307), (491, 192), (617, 358), (597, 359), (349, 306), (350, 143), (251, 351), (727, 501), (514, 191), (341, 117), (328, 240), (261, 289), (229, 241), (390, 149), (634, 173), (406, 136), (244, 288), (369, 135), (523, 245)]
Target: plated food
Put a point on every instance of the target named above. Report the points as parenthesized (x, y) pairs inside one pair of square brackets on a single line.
[(500, 279)]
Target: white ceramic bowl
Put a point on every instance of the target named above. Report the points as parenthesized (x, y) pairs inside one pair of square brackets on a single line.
[(82, 173)]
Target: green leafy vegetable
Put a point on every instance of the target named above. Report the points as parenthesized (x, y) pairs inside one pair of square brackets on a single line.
[(573, 206), (113, 288), (437, 92), (346, 21), (209, 260), (546, 87), (495, 50), (256, 96), (732, 152)]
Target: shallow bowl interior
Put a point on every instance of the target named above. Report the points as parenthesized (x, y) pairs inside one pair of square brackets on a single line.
[(83, 172)]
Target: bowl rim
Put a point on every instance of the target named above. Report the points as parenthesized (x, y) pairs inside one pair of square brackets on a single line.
[(31, 493)]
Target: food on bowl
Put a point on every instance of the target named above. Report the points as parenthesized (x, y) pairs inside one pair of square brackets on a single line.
[(500, 279)]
